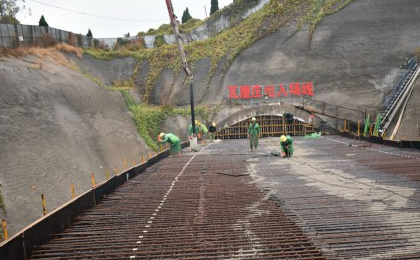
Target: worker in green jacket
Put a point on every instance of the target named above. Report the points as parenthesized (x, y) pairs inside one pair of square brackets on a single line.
[(190, 131), (173, 140), (202, 131), (286, 146), (253, 134)]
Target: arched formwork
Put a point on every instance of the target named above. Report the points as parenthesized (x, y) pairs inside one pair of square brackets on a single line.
[(271, 119)]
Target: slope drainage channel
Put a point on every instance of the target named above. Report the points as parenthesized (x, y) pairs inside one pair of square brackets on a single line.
[(184, 208)]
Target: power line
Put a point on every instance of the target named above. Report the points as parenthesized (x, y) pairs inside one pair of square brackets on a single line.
[(95, 15)]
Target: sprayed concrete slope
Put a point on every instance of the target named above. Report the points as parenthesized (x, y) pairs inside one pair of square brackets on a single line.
[(56, 128), (353, 57)]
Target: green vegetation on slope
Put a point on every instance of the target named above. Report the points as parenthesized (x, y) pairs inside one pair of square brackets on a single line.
[(225, 45), (229, 43), (235, 10), (318, 9), (149, 119), (166, 29)]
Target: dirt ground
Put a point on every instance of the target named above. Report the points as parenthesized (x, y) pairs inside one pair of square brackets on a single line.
[(57, 127)]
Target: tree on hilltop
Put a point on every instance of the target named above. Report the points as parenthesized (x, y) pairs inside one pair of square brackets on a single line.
[(42, 21), (214, 6), (89, 34), (9, 9), (186, 16)]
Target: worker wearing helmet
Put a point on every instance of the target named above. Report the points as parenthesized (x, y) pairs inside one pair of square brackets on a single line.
[(286, 145), (173, 140), (253, 134), (202, 131), (190, 130), (212, 130)]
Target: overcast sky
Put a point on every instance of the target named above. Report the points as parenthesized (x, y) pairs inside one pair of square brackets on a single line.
[(133, 16)]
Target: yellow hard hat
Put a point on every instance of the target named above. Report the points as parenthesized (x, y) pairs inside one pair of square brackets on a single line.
[(197, 122), (283, 138), (213, 124), (254, 119), (161, 135)]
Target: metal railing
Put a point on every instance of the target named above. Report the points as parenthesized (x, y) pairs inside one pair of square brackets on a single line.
[(410, 67), (401, 94)]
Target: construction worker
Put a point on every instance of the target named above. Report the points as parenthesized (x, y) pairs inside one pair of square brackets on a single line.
[(212, 130), (202, 131), (173, 140), (253, 134), (190, 130), (286, 146)]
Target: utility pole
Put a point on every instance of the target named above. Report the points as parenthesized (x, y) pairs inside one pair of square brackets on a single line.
[(174, 23), (205, 10)]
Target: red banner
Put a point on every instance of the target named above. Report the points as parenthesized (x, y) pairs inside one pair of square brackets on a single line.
[(305, 89)]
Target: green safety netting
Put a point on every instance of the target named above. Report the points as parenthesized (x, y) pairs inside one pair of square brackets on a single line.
[(313, 135), (377, 125), (367, 124)]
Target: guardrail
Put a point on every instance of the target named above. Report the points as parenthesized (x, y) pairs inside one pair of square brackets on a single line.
[(403, 93)]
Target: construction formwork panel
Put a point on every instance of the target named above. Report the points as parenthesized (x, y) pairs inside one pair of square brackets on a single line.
[(270, 126)]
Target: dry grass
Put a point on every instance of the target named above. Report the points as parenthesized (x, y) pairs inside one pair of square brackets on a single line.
[(69, 49), (54, 53), (130, 45)]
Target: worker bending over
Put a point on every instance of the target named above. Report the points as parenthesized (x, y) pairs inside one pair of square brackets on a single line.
[(286, 145), (173, 140), (202, 131)]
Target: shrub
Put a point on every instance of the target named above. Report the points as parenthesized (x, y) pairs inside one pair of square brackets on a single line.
[(72, 39), (100, 44), (159, 41), (45, 41), (69, 49)]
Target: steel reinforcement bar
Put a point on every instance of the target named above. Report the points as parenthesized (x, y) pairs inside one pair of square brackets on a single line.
[(355, 200), (201, 206)]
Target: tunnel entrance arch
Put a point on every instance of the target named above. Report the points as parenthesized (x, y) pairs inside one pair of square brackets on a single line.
[(272, 119)]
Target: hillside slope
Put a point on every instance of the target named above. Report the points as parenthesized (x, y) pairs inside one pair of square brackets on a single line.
[(56, 128), (353, 57)]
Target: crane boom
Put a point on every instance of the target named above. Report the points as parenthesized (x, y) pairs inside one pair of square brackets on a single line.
[(174, 23)]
